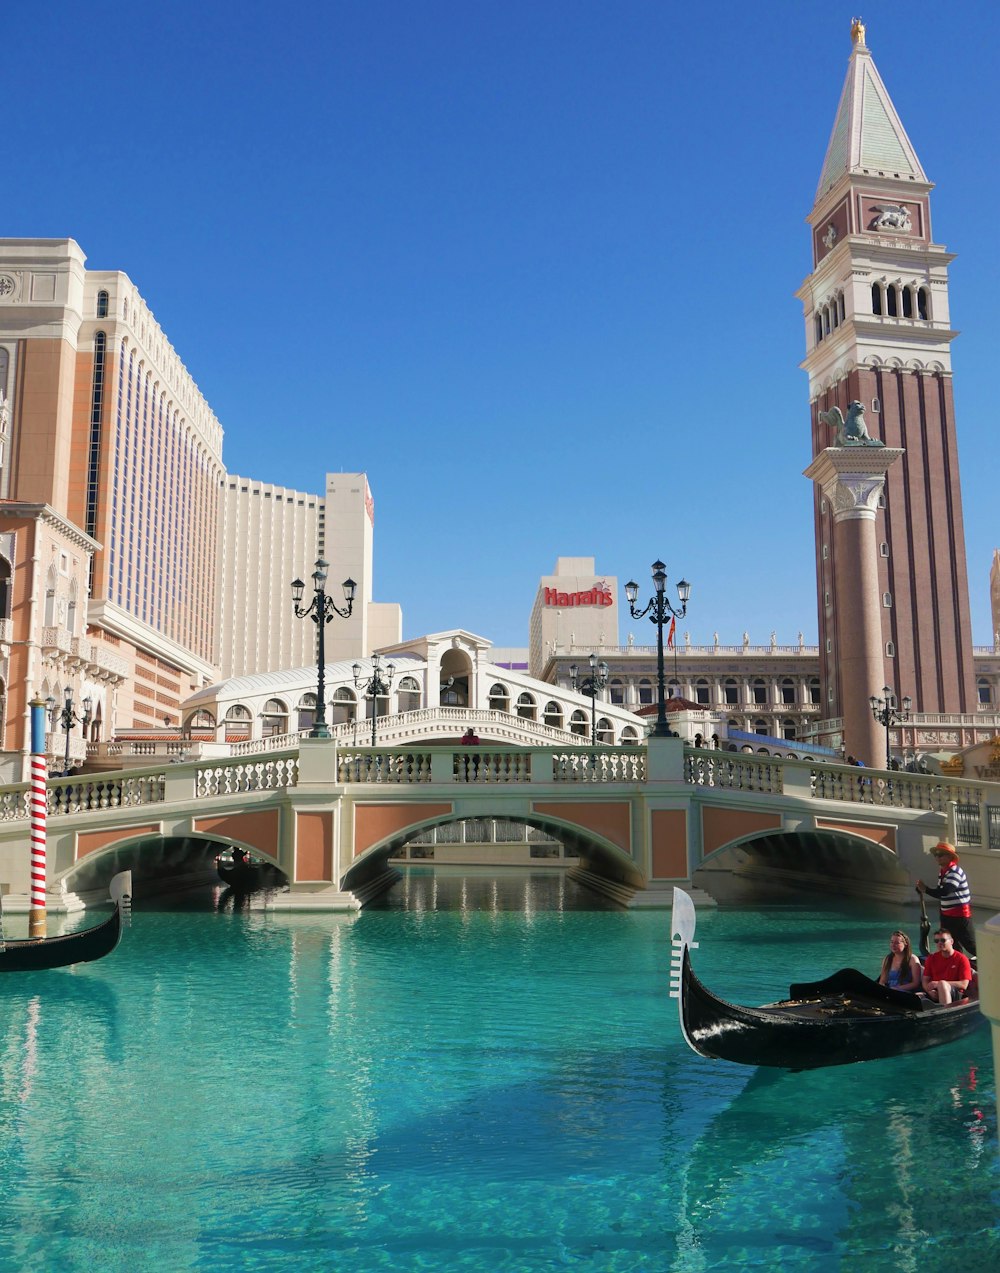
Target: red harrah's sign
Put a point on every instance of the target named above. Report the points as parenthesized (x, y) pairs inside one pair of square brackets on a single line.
[(599, 595)]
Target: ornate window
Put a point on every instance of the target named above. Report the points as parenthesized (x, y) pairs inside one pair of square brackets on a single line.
[(788, 730), (102, 304), (499, 698), (702, 692), (788, 690), (814, 694), (274, 718), (526, 706), (759, 691), (343, 705), (876, 298), (553, 715), (731, 692), (616, 690), (409, 694), (237, 723)]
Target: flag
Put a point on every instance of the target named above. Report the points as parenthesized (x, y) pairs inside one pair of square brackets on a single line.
[(670, 634)]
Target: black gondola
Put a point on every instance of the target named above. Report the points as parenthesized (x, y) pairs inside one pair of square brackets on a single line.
[(37, 954), (243, 874), (843, 1019)]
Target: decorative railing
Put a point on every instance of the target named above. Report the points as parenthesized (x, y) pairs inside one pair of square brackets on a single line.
[(56, 639), (234, 777), (6, 630), (891, 789), (810, 651), (383, 766), (491, 766), (618, 764), (15, 802), (734, 771), (117, 791)]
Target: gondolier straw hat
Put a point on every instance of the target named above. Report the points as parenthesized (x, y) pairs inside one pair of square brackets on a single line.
[(943, 846)]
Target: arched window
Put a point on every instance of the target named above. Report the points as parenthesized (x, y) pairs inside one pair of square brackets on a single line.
[(891, 304), (814, 694), (840, 306), (201, 719), (616, 690), (343, 705), (760, 727), (887, 600), (578, 723), (731, 691), (923, 303), (237, 723), (5, 574), (826, 320), (876, 299), (907, 302), (819, 328), (553, 715), (788, 730), (102, 304), (759, 690), (702, 692), (409, 694), (645, 690), (499, 698), (50, 597), (985, 691), (788, 690), (630, 736), (526, 706), (274, 718), (452, 697), (605, 732), (305, 713)]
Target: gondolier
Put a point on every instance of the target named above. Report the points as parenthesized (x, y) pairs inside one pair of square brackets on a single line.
[(954, 897)]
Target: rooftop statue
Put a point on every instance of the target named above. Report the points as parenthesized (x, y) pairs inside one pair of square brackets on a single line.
[(857, 31), (850, 432)]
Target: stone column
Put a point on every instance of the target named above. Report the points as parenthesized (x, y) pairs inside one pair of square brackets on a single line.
[(851, 479)]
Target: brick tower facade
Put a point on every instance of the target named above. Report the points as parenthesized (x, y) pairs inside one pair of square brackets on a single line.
[(878, 332)]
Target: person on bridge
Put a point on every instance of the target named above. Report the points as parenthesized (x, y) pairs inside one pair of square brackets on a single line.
[(954, 897), (947, 972), (470, 738), (900, 968)]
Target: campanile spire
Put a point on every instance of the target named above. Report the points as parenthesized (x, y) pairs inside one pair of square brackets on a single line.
[(878, 332)]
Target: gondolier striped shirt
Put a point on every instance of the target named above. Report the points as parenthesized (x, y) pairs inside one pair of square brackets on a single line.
[(953, 892)]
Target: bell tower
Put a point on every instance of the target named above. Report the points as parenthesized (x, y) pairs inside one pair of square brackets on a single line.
[(878, 332)]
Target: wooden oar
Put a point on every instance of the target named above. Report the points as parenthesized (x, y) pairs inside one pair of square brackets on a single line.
[(925, 926)]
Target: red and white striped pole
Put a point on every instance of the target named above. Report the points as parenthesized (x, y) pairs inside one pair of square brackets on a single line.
[(39, 774)]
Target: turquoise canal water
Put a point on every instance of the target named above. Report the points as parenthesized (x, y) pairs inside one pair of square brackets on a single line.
[(477, 1076)]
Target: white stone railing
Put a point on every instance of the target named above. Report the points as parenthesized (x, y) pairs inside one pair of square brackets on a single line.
[(107, 791), (234, 777), (489, 765), (734, 771), (809, 651), (399, 766), (891, 789), (56, 639)]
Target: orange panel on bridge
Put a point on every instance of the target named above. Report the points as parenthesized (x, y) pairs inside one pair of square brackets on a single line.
[(669, 844), (719, 826), (375, 822), (91, 841), (886, 836), (610, 821), (314, 846), (258, 830)]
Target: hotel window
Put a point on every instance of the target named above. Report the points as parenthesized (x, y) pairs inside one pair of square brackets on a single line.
[(814, 696), (731, 692), (701, 692), (645, 690), (788, 691), (553, 715), (887, 600), (102, 304), (759, 690), (985, 691), (890, 650), (883, 549)]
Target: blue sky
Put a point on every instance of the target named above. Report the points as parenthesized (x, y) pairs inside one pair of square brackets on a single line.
[(530, 265)]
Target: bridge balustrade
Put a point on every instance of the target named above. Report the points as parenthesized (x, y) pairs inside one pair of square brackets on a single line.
[(603, 765), (383, 766), (734, 771), (234, 777), (891, 789), (107, 791)]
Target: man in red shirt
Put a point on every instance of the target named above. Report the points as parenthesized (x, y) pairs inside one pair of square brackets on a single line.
[(947, 972)]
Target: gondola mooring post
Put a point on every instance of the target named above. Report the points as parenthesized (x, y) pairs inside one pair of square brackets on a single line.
[(39, 774)]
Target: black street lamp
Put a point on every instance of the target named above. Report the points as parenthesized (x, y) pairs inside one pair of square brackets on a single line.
[(377, 686), (887, 713), (659, 610), (68, 718), (592, 685), (321, 610)]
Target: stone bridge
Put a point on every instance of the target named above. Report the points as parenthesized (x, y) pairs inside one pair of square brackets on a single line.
[(639, 819)]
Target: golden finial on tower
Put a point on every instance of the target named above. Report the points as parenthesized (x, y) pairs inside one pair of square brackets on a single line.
[(857, 31)]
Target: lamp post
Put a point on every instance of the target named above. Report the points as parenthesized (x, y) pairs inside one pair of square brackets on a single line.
[(659, 610), (376, 686), (321, 610), (887, 713), (68, 718), (592, 685)]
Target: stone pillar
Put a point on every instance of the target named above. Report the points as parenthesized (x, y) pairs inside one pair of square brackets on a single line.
[(851, 479)]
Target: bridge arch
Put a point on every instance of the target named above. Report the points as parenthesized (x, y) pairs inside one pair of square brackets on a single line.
[(596, 854), (857, 863)]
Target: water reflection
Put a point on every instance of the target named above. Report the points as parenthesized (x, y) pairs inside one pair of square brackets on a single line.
[(488, 888)]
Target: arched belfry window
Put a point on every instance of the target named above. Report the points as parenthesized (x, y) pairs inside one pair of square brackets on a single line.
[(907, 303), (876, 299), (891, 301), (102, 304), (819, 328), (923, 303)]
